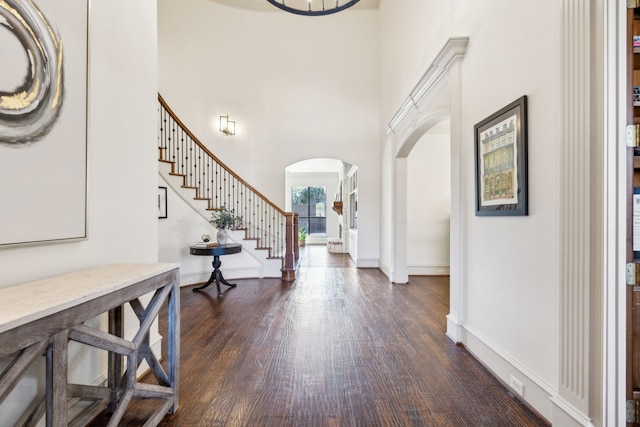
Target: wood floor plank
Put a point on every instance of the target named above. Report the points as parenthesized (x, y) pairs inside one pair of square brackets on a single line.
[(338, 347)]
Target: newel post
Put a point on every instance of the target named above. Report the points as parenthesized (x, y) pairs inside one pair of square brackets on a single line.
[(296, 246), (291, 247)]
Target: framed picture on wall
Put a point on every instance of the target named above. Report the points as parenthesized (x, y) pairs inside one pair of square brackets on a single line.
[(162, 202), (501, 161), (43, 120)]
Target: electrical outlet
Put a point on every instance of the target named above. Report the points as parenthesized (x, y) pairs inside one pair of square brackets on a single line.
[(517, 386)]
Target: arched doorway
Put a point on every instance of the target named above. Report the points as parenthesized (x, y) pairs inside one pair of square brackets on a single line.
[(429, 202), (436, 97), (323, 191), (404, 200)]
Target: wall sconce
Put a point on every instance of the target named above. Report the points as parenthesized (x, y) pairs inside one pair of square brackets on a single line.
[(227, 126)]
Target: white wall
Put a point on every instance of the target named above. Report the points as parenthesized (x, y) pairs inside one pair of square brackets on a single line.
[(429, 204), (509, 308), (122, 165), (298, 88), (185, 226)]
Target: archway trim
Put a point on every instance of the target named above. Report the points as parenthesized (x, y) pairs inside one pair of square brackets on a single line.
[(434, 80)]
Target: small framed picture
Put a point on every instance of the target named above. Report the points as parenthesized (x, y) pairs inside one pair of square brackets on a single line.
[(162, 202), (501, 161)]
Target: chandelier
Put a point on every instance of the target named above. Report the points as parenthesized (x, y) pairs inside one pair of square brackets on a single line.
[(313, 7)]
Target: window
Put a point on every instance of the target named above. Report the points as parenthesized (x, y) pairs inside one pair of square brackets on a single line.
[(310, 203)]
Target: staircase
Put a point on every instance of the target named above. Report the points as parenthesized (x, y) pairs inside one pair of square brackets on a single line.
[(207, 184)]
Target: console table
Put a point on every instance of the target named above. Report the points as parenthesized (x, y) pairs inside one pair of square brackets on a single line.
[(216, 252), (40, 318)]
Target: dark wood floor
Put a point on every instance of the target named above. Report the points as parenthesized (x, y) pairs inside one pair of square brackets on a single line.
[(339, 347)]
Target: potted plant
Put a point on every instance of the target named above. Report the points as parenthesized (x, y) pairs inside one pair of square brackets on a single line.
[(224, 219), (302, 236)]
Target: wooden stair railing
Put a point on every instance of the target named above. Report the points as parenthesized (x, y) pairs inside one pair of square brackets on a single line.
[(263, 221)]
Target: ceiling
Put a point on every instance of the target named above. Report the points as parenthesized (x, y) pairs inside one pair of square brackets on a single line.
[(264, 5)]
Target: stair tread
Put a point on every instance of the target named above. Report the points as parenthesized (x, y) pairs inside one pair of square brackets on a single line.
[(266, 257)]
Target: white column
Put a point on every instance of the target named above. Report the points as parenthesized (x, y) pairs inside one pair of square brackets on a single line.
[(456, 316), (400, 272), (611, 16), (571, 406)]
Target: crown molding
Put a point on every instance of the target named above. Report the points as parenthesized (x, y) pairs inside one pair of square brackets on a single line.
[(433, 81)]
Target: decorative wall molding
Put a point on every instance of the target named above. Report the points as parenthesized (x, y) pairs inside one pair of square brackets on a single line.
[(576, 239), (415, 116), (432, 83), (613, 161)]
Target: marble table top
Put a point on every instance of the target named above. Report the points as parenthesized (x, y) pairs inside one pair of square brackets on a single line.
[(27, 302)]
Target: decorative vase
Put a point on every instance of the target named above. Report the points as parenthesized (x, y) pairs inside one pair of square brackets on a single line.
[(222, 236)]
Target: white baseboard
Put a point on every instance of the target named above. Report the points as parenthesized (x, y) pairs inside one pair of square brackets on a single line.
[(428, 270), (386, 270), (367, 263), (538, 394), (454, 329), (564, 414), (189, 279)]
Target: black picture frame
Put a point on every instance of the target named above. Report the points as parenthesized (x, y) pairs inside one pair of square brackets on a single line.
[(162, 202), (501, 162)]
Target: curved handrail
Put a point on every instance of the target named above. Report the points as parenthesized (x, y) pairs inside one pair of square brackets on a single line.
[(216, 159), (214, 182)]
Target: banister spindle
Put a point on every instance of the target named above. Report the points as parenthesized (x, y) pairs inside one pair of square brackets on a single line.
[(212, 180)]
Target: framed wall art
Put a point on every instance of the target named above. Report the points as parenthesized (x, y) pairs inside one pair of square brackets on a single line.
[(501, 162), (43, 120), (162, 202)]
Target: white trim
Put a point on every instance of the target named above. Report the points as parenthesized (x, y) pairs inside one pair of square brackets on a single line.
[(454, 328), (412, 120), (537, 392), (564, 414), (457, 229), (614, 311), (229, 273), (408, 124), (386, 270), (421, 126), (612, 376), (428, 270), (580, 198), (432, 83), (367, 263), (399, 200)]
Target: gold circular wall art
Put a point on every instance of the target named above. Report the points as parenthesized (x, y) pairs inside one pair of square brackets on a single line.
[(28, 112)]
